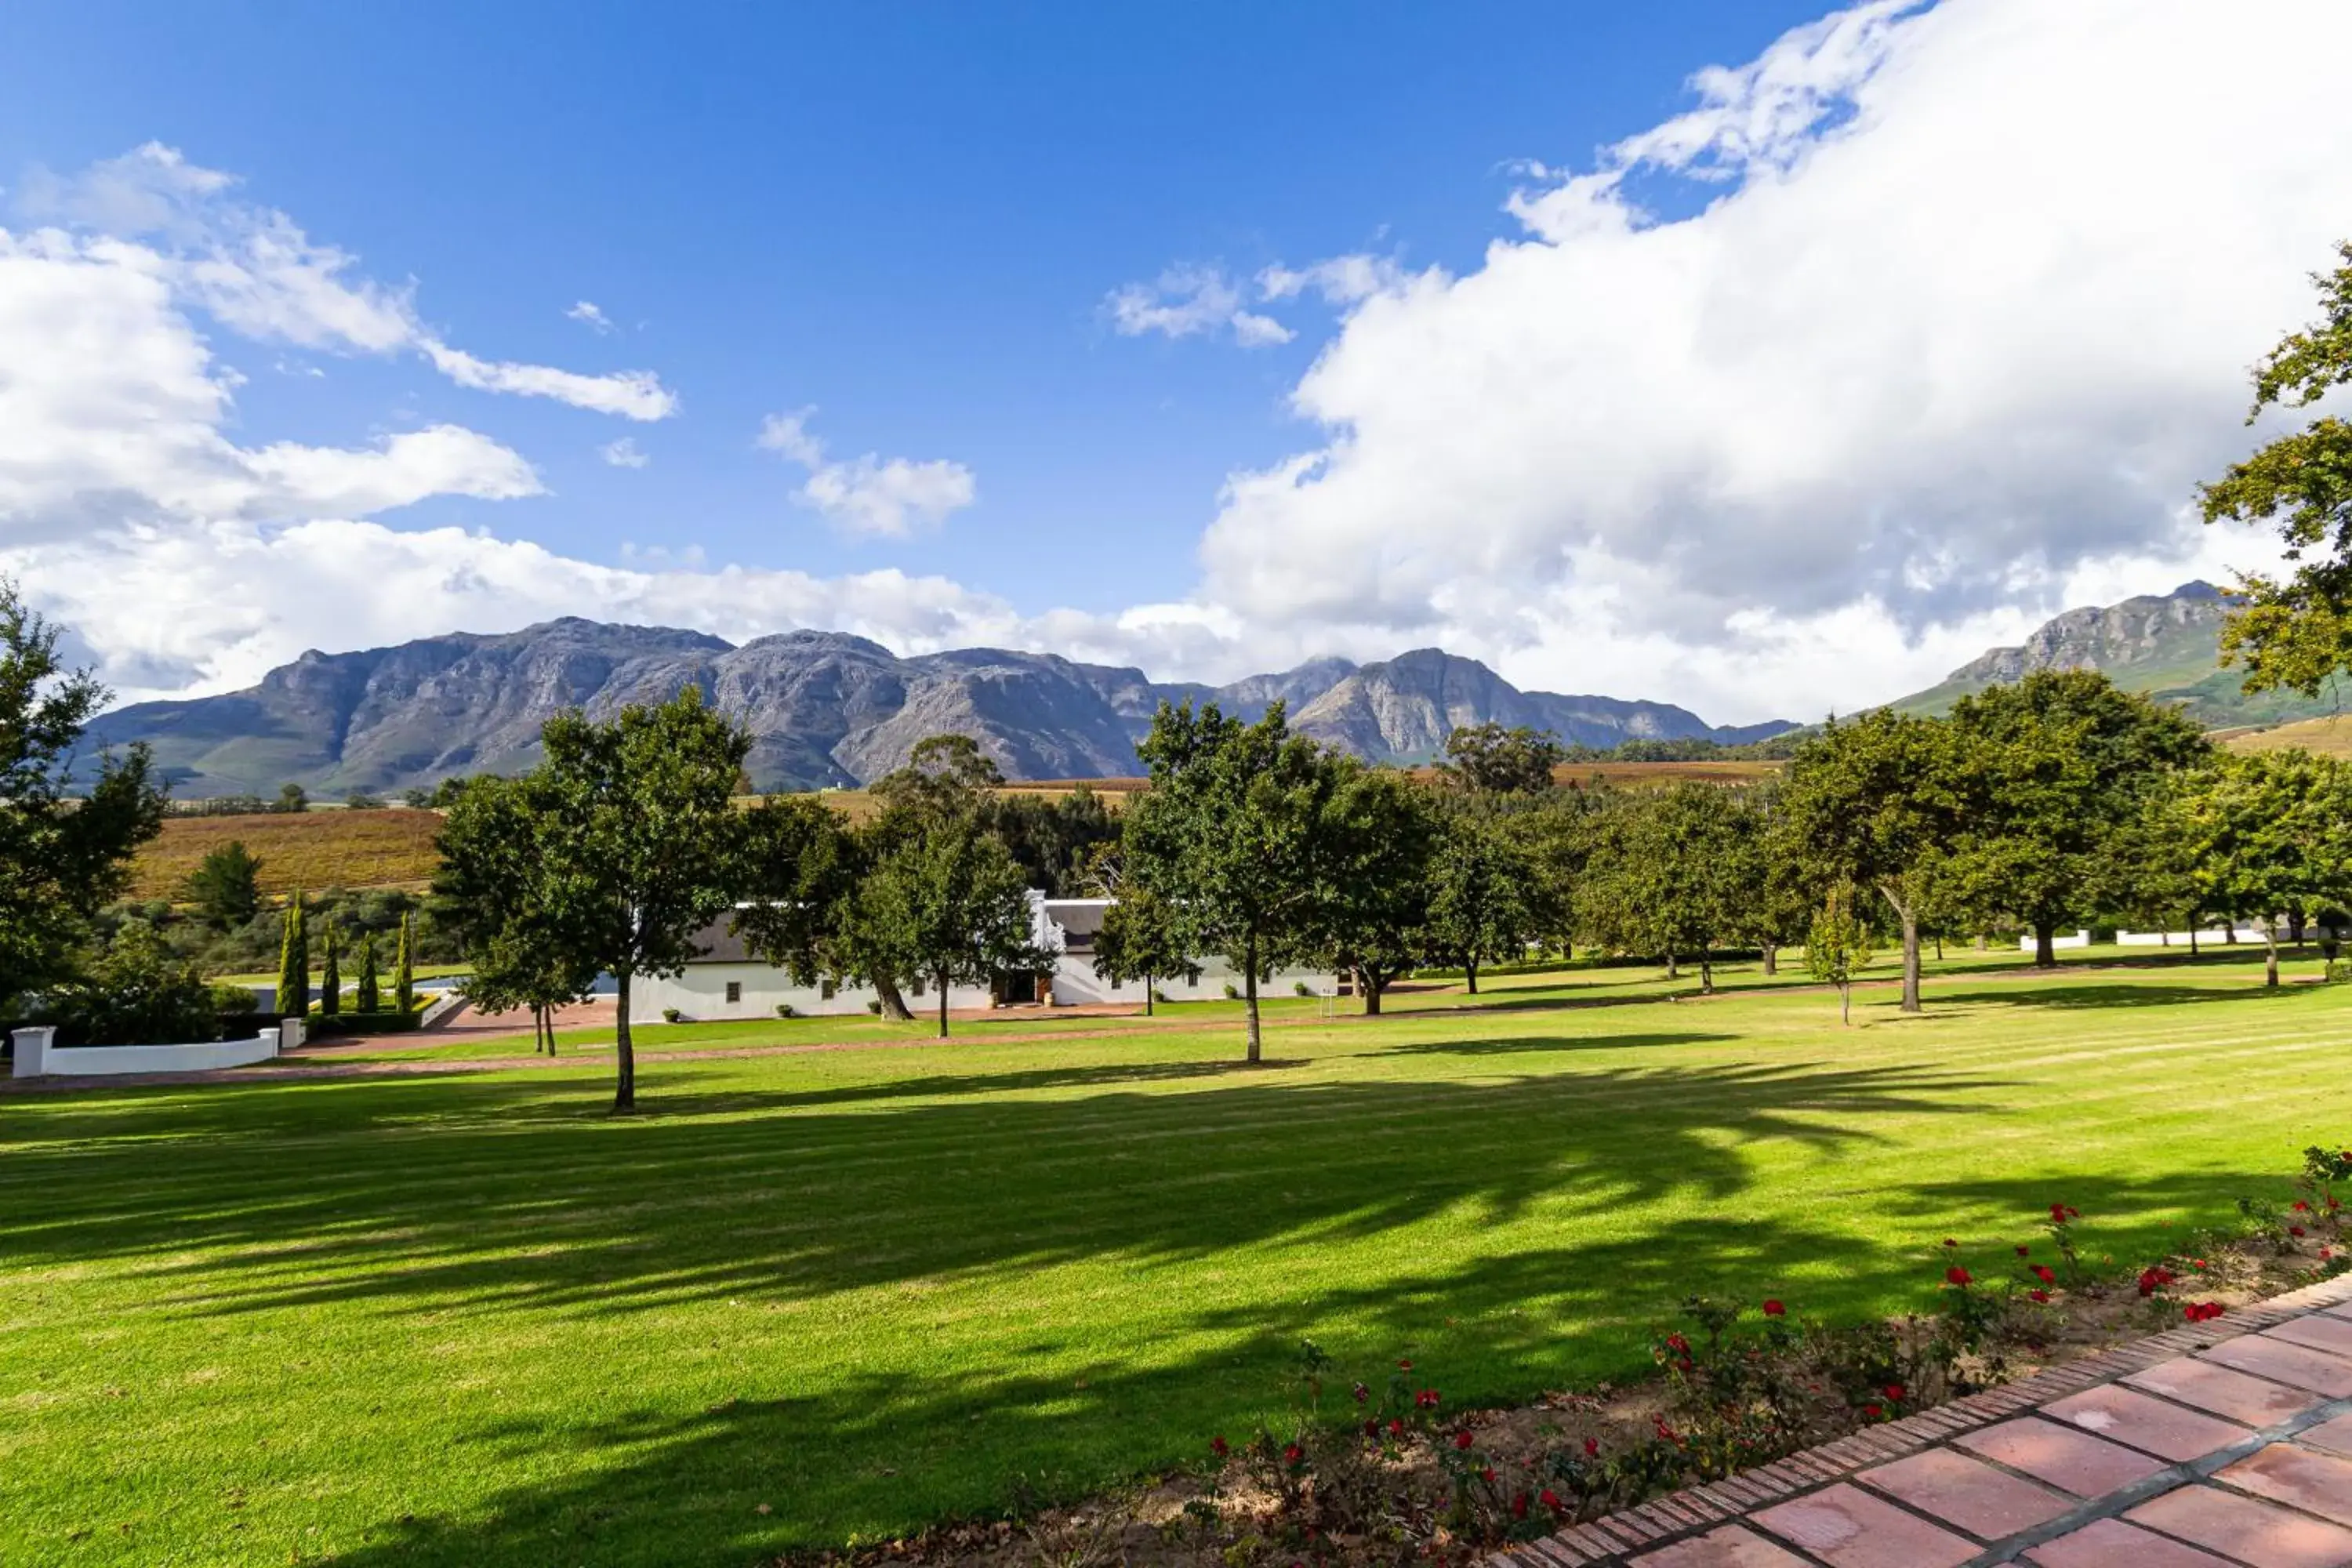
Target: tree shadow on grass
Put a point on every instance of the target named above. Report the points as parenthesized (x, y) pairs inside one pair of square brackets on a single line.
[(879, 1455), (1542, 1044), (2106, 996), (477, 1195)]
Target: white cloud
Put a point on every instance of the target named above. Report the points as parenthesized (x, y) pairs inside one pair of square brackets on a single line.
[(587, 314), (257, 272), (624, 453), (1962, 318), (1341, 280), (1186, 301), (887, 497)]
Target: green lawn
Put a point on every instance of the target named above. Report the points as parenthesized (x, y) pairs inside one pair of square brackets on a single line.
[(475, 1321)]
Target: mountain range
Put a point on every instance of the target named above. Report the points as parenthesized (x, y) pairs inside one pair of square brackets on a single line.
[(824, 708), (2166, 646)]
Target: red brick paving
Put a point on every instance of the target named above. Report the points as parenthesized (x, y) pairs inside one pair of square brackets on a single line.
[(2218, 1447)]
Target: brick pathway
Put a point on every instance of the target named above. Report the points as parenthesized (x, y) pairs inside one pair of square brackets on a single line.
[(2227, 1443)]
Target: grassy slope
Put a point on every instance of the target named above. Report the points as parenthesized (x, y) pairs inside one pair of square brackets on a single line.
[(474, 1320), (2330, 737), (312, 850)]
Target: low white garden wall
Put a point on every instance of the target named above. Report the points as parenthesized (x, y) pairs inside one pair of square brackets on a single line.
[(2181, 938), (37, 1055), (2080, 939)]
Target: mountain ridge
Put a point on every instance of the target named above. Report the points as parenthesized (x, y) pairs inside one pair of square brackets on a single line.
[(824, 708), (2166, 646)]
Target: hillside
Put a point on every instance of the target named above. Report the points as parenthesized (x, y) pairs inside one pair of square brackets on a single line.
[(825, 709), (2168, 646), (2329, 736), (314, 850)]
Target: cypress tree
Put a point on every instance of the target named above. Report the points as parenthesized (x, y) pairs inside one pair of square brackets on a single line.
[(330, 980), (404, 974), (370, 997), (294, 962)]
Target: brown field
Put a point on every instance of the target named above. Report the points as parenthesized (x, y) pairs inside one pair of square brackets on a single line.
[(312, 850), (2328, 737)]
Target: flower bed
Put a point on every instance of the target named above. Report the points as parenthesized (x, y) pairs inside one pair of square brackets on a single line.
[(1363, 1474)]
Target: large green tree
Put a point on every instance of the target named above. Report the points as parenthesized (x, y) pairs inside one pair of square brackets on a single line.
[(1479, 911), (1878, 802), (1487, 759), (225, 886), (1383, 828), (945, 785), (1668, 873), (2059, 768), (800, 867), (952, 905), (491, 890), (1141, 939), (639, 846), (2270, 826), (2295, 631), (1235, 836), (65, 843)]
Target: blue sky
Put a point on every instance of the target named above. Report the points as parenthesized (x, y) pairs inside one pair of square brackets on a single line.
[(906, 215), (915, 220)]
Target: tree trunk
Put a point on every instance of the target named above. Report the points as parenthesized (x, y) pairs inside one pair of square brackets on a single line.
[(1249, 995), (1707, 971), (893, 1005), (1939, 947), (2270, 960), (1909, 915), (1673, 972), (1371, 989), (2193, 916), (2230, 931), (1771, 959), (1845, 1004), (2294, 927), (1470, 973), (2046, 950), (1146, 996), (624, 1093), (942, 980)]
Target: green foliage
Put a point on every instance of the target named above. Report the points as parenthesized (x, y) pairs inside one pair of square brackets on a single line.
[(137, 994), (1384, 830), (2269, 836), (949, 904), (638, 849), (1141, 939), (1837, 945), (292, 799), (1878, 802), (367, 993), (64, 858), (1671, 872), (799, 867), (2296, 632), (1236, 837), (1489, 759), (331, 972), (2059, 767), (493, 891), (1054, 839), (1476, 911), (404, 970), (293, 994), (225, 886)]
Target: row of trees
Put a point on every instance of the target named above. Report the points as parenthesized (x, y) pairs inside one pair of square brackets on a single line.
[(367, 993)]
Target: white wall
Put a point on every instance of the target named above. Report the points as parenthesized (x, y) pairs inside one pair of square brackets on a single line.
[(38, 1057), (1075, 982), (2080, 939), (700, 994), (2207, 936)]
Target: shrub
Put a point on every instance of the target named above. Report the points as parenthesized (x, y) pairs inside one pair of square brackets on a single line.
[(875, 1006), (234, 1000), (669, 1015), (1233, 992), (785, 1010), (1302, 988), (136, 992)]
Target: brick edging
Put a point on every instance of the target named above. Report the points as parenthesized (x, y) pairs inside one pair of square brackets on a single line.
[(1696, 1510)]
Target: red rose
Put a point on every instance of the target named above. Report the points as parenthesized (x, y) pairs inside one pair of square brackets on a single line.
[(1955, 1275), (1591, 1448), (1549, 1499), (2025, 1252), (1774, 1310), (2295, 1230), (1292, 1453), (1519, 1506), (1396, 1426), (1894, 1392), (1463, 1439), (1872, 1411), (2043, 1272), (2300, 1206), (1949, 1242), (2042, 1296), (1218, 1446)]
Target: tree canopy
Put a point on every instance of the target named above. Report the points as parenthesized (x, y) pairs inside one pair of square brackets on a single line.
[(2296, 632), (62, 858), (1492, 760)]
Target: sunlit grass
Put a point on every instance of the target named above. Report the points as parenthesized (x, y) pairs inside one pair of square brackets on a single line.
[(475, 1320)]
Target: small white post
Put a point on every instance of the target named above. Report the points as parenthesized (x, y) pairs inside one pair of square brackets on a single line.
[(32, 1052), (289, 1034)]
